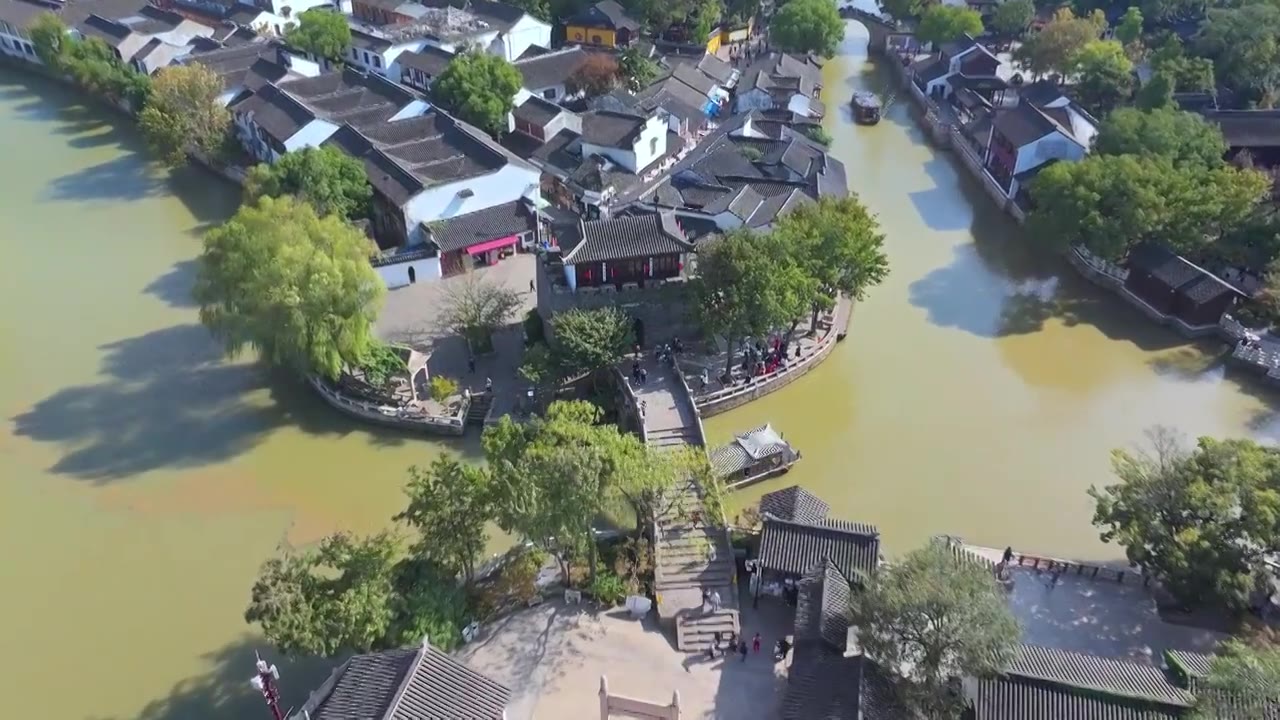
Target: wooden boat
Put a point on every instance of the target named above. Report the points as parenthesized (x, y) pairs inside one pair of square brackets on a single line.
[(866, 108), (753, 456)]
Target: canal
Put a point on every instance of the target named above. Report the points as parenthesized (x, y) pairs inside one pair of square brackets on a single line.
[(145, 479)]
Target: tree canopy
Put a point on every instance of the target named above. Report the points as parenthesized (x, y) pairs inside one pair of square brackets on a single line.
[(807, 26), (321, 32), (903, 10), (638, 70), (479, 88), (354, 595), (1055, 47), (944, 23), (588, 341), (1182, 137), (1185, 73), (296, 287), (1104, 75), (1199, 520), (333, 182), (184, 111), (1110, 203), (597, 75), (449, 504), (748, 284), (1244, 43), (1129, 30), (1241, 672), (49, 37), (929, 618), (475, 307), (1012, 18)]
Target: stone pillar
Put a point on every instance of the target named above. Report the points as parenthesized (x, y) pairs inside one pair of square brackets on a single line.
[(604, 698)]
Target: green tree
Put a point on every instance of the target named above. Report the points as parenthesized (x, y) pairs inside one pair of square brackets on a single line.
[(1244, 43), (931, 618), (540, 9), (1110, 203), (334, 599), (1012, 18), (1129, 30), (903, 10), (649, 479), (297, 287), (597, 75), (1054, 48), (1104, 75), (1156, 94), (449, 504), (1183, 137), (474, 308), (49, 38), (1188, 74), (748, 285), (838, 244), (944, 23), (428, 603), (807, 26), (589, 341), (94, 66), (183, 111), (333, 182), (1201, 521), (638, 70), (1243, 683), (479, 88), (321, 32), (551, 475)]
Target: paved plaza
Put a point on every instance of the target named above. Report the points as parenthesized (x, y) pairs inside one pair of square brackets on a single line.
[(411, 317), (552, 657)]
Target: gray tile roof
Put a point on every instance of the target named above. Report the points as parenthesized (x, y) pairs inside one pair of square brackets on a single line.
[(410, 684), (21, 13), (822, 606), (1192, 665), (824, 685), (251, 65), (537, 111), (430, 60), (746, 449), (694, 78), (1025, 699), (624, 237), (552, 68), (611, 129), (794, 503), (499, 221), (794, 547), (1101, 675), (605, 14)]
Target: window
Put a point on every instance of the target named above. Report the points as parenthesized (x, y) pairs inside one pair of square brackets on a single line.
[(653, 146), (595, 39), (549, 94), (377, 61), (577, 36)]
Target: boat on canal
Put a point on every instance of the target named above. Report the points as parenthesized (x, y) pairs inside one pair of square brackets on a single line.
[(753, 456), (866, 107)]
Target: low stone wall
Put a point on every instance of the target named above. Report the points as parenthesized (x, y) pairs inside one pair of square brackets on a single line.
[(1111, 277), (392, 416), (938, 131), (688, 396), (728, 399)]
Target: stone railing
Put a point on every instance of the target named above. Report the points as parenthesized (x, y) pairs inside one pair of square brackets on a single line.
[(391, 415), (630, 404), (689, 397), (726, 399)]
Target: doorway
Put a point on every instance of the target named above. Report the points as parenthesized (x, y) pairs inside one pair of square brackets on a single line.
[(413, 275), (637, 329)]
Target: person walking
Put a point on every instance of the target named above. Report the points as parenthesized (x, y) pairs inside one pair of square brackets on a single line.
[(742, 650), (471, 364), (715, 601), (1008, 555), (715, 642), (755, 643), (488, 384)]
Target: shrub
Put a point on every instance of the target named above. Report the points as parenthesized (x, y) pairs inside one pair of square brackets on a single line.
[(382, 362), (752, 153), (533, 330), (608, 588), (818, 134), (442, 388)]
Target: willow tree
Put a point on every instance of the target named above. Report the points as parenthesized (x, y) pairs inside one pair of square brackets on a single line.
[(184, 111), (296, 287)]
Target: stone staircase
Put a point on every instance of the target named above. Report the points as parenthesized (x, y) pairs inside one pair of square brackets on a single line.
[(691, 550), (480, 404)]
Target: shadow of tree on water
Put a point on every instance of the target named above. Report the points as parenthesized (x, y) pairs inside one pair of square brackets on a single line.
[(224, 692), (174, 286)]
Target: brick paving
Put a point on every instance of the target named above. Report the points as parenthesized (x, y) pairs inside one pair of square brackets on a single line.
[(411, 316)]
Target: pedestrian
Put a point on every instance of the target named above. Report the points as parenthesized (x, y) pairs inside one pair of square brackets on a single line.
[(644, 376), (644, 407), (488, 384), (530, 286), (706, 598), (716, 639), (797, 352), (471, 364), (755, 643), (1008, 555), (715, 601), (742, 650)]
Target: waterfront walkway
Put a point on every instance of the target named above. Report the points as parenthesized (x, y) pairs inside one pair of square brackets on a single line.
[(690, 555)]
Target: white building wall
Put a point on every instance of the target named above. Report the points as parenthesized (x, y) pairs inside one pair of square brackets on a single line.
[(397, 274), (442, 202), (15, 43), (527, 31), (1054, 146), (652, 143), (413, 109)]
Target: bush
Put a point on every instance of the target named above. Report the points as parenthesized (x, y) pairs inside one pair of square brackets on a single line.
[(818, 134), (381, 364), (533, 330), (442, 388), (751, 153), (608, 588)]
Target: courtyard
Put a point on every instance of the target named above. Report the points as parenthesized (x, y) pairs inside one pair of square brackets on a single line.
[(552, 657)]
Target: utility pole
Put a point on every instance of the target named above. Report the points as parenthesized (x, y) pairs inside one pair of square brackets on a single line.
[(265, 682)]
